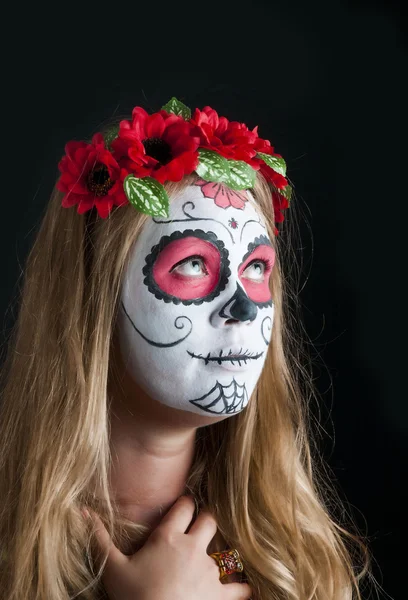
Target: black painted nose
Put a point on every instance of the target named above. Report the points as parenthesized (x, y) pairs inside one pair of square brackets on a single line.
[(239, 307)]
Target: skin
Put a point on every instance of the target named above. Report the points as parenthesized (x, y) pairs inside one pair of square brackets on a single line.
[(152, 448), (153, 428)]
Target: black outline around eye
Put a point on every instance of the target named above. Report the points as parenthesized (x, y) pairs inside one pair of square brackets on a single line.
[(262, 240), (209, 236)]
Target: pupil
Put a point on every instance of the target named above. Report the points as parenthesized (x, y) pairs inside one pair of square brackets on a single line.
[(158, 149)]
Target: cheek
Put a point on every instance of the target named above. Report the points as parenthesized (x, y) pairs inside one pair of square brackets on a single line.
[(258, 291), (181, 286)]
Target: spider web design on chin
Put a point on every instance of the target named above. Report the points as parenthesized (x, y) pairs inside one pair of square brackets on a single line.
[(223, 399)]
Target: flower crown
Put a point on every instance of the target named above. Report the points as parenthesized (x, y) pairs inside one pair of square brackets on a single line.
[(131, 161)]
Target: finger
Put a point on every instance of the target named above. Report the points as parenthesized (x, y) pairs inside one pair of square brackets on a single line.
[(105, 542), (179, 517), (237, 591), (204, 528)]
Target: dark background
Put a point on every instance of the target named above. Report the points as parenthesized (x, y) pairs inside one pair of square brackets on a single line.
[(325, 82)]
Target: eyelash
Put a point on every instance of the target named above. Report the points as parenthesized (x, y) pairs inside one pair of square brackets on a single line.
[(265, 261), (186, 260)]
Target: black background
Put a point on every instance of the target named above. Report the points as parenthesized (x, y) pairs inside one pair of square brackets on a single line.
[(325, 82)]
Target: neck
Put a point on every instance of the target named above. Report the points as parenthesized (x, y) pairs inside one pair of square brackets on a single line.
[(150, 460), (152, 448)]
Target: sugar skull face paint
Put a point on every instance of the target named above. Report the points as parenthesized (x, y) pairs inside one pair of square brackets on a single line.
[(196, 312)]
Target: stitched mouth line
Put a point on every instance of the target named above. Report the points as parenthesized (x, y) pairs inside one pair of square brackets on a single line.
[(232, 358)]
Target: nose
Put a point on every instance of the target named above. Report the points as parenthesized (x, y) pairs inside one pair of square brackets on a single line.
[(238, 309)]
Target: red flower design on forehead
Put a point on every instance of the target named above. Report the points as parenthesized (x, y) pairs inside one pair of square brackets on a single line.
[(222, 195)]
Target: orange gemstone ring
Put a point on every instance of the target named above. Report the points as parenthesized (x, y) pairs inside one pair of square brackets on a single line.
[(229, 561)]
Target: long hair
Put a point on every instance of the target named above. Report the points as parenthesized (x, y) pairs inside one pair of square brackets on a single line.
[(257, 472)]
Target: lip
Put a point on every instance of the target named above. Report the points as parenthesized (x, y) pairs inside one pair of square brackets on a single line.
[(228, 359)]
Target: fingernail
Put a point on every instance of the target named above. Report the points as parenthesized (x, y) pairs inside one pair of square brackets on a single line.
[(85, 513)]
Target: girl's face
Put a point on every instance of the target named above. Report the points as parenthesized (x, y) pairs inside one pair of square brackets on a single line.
[(196, 311)]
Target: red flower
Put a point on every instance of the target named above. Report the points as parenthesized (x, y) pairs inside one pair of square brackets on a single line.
[(270, 175), (160, 145), (262, 145), (223, 196), (91, 177), (279, 203), (277, 180), (234, 140), (229, 138)]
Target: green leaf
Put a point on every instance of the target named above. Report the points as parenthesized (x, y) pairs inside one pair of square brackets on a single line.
[(147, 195), (212, 166), (241, 175), (110, 135), (276, 163), (286, 192), (178, 108)]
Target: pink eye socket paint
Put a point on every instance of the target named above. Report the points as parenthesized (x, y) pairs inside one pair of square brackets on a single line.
[(174, 283), (259, 290)]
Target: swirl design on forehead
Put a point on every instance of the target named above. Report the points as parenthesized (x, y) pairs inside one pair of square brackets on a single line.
[(191, 218), (251, 221)]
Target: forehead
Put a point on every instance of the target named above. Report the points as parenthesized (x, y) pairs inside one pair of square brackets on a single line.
[(231, 215)]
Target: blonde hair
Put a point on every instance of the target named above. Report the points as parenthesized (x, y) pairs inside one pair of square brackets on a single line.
[(255, 472)]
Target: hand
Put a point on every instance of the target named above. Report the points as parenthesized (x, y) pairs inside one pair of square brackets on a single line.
[(171, 564)]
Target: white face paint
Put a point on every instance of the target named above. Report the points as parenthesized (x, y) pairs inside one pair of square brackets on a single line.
[(196, 312)]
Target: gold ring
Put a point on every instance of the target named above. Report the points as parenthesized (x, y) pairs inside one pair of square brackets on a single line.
[(229, 561)]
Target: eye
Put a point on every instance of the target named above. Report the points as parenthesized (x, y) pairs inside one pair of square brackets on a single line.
[(255, 271), (193, 266)]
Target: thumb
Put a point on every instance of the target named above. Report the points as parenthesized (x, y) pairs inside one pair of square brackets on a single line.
[(104, 540)]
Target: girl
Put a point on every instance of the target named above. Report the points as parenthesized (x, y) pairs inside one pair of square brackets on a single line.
[(155, 355)]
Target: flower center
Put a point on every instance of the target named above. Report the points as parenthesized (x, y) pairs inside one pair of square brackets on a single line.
[(159, 149), (99, 181)]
